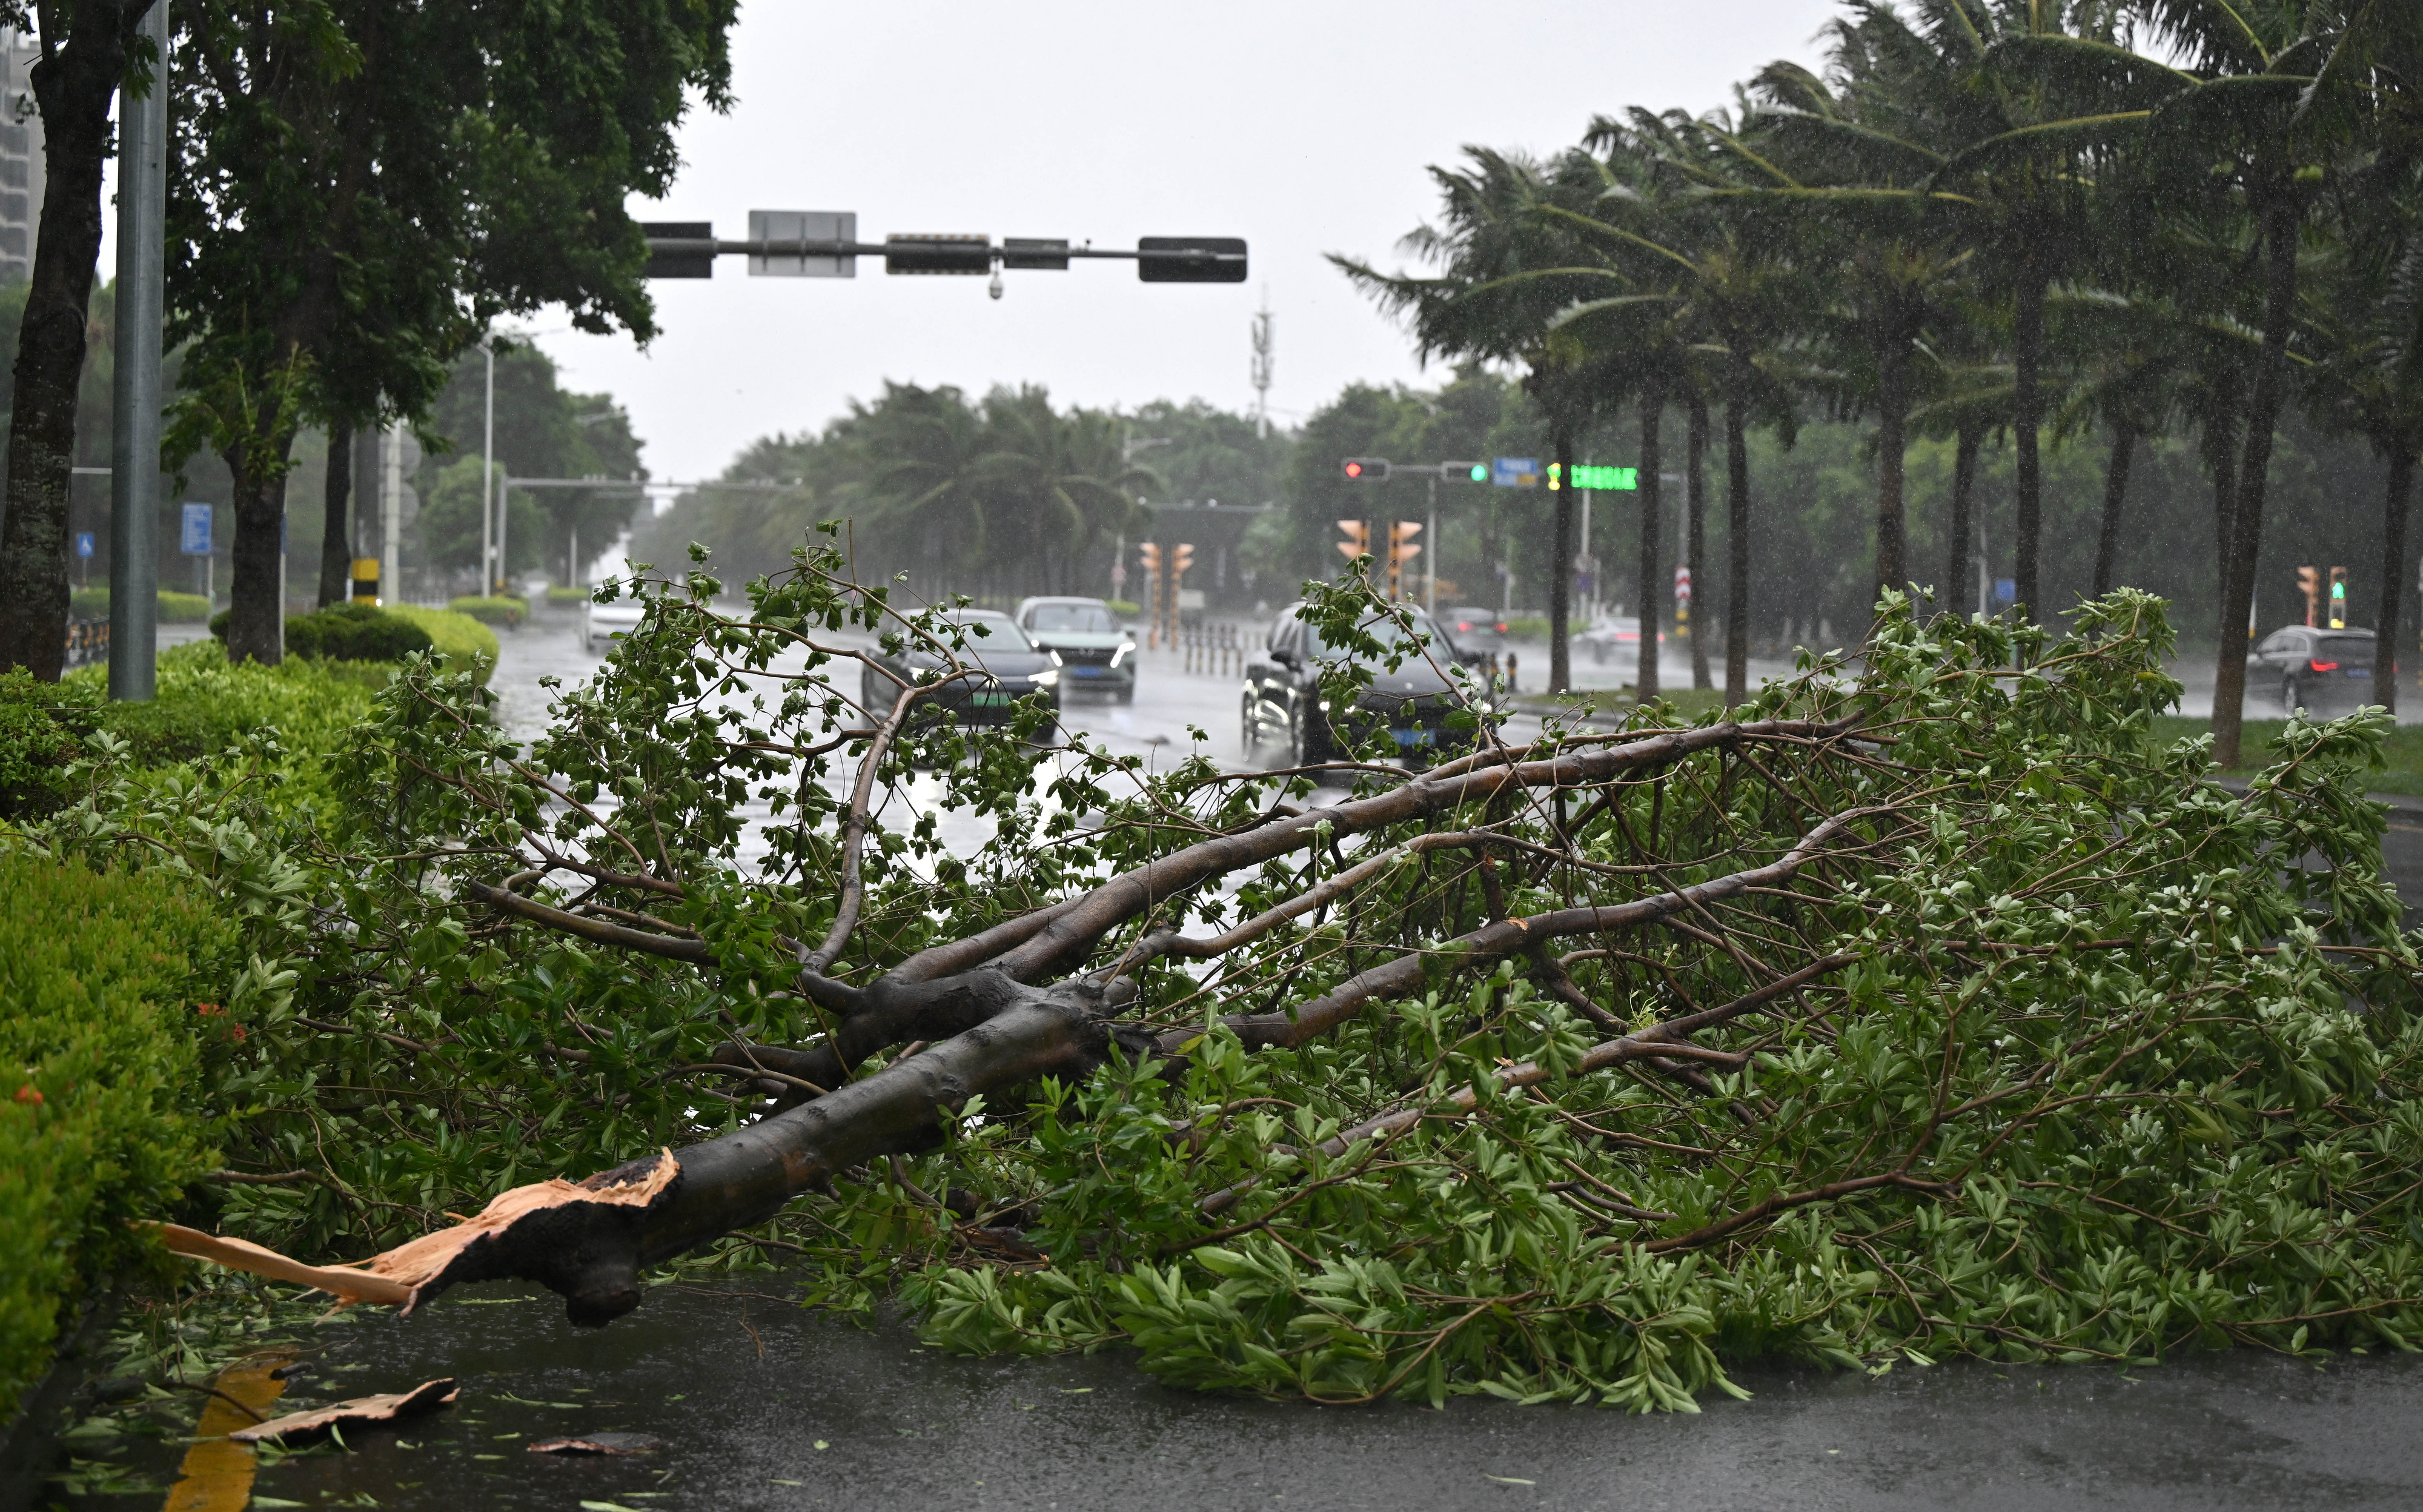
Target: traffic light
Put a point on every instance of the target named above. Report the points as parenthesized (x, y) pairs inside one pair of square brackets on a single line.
[(1556, 476), (1151, 555), (1401, 550), (1366, 468), (1358, 538), (2338, 598), (938, 254), (1180, 559), (1476, 471), (2310, 582), (1215, 260)]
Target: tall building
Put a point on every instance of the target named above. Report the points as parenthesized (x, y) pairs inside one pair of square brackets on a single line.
[(21, 156)]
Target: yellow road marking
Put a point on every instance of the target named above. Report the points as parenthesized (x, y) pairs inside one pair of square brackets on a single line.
[(217, 1474)]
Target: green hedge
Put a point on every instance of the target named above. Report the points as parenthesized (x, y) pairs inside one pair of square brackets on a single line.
[(560, 595), (204, 704), (102, 1052), (459, 638), (344, 632), (499, 610), (175, 608), (1123, 608)]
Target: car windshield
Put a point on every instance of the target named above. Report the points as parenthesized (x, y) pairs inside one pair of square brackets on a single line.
[(1382, 629), (994, 632), (1088, 619), (2348, 650)]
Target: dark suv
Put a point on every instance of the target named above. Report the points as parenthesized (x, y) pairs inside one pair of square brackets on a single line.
[(1282, 695), (2313, 668)]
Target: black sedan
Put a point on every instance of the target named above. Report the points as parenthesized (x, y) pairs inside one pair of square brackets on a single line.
[(1412, 705), (999, 669), (2313, 668)]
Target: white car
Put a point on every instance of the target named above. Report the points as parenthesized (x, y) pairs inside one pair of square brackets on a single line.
[(1610, 636), (601, 623)]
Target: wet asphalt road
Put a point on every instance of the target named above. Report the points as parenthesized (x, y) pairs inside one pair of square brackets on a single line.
[(761, 1404), (1169, 700)]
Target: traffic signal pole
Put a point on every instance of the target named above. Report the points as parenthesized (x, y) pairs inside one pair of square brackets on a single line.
[(688, 250)]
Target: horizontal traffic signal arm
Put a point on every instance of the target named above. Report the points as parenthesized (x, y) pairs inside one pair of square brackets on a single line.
[(688, 250)]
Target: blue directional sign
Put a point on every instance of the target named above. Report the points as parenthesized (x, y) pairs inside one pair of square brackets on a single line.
[(196, 539), (1515, 472), (84, 543)]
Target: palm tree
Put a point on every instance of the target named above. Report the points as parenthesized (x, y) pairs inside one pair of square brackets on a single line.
[(1505, 269), (1721, 282), (2280, 94)]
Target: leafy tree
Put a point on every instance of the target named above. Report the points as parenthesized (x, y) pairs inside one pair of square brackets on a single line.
[(89, 48), (359, 188), (543, 431)]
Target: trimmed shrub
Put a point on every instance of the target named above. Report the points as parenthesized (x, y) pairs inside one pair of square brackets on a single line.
[(354, 632), (41, 727), (498, 610), (102, 1053), (560, 595), (459, 638), (175, 608), (1122, 609), (204, 704)]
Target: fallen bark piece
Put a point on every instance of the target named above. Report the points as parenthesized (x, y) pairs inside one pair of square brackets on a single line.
[(343, 1281), (426, 1397), (398, 1277), (601, 1443)]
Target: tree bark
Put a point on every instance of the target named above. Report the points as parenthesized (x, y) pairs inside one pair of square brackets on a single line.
[(2221, 453), (2281, 218), (2115, 495), (1958, 552), (335, 540), (2027, 414), (1893, 414), (1560, 572), (1652, 558), (73, 85), (1737, 542), (255, 608), (1695, 532), (2393, 578)]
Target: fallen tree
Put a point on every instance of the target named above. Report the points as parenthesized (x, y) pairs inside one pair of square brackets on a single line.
[(1924, 1006)]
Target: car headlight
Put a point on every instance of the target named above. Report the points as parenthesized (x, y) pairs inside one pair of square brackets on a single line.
[(1121, 654), (1048, 677)]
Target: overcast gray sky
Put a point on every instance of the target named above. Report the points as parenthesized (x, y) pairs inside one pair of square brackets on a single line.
[(1302, 125)]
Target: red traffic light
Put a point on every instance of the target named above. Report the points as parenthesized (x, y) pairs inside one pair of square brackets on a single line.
[(1366, 468)]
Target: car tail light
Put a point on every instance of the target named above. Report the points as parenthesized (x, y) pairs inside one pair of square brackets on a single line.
[(1501, 626), (2325, 667)]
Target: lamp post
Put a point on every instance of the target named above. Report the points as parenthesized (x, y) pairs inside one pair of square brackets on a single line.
[(491, 528), (134, 460)]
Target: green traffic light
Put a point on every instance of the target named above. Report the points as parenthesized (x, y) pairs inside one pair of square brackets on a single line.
[(1480, 472)]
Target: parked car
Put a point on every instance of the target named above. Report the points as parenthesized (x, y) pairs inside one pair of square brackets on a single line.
[(601, 623), (1097, 654), (1617, 633), (1475, 630), (1413, 704), (1003, 667), (2313, 668)]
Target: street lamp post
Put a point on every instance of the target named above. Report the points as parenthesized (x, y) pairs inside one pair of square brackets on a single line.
[(135, 470), (491, 528)]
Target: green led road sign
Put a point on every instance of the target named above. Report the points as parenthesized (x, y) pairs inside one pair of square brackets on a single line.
[(1588, 476)]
